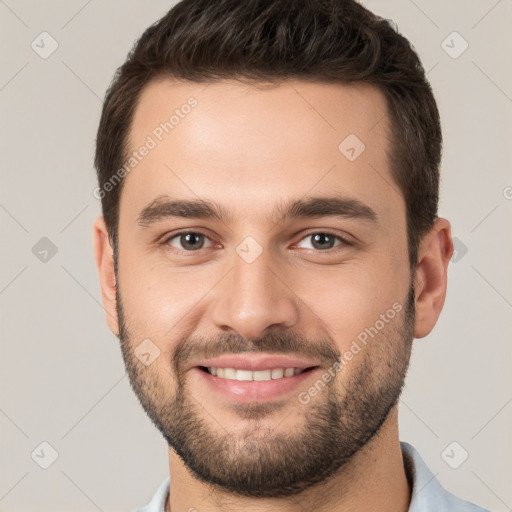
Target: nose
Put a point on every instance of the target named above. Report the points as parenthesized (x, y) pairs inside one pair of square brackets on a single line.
[(254, 297)]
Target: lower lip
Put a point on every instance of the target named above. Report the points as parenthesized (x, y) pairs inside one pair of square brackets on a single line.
[(255, 391)]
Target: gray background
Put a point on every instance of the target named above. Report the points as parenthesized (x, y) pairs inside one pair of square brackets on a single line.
[(62, 378)]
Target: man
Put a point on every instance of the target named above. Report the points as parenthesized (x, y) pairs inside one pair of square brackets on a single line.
[(297, 145)]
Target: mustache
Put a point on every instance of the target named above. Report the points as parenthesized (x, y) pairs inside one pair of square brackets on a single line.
[(282, 343)]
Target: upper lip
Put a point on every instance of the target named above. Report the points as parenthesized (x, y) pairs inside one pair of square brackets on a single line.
[(256, 362)]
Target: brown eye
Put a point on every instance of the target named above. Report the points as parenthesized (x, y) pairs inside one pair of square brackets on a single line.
[(188, 241), (322, 241)]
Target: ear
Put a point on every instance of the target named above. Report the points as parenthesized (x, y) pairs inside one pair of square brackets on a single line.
[(104, 256), (434, 253)]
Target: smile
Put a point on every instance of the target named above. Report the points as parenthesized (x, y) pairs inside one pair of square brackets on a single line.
[(259, 375)]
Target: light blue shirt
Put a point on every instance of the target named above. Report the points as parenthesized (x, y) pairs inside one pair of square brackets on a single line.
[(427, 493)]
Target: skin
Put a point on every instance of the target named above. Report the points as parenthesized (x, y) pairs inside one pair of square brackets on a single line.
[(250, 149)]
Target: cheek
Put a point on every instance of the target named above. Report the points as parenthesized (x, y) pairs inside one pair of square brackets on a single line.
[(349, 300), (159, 301)]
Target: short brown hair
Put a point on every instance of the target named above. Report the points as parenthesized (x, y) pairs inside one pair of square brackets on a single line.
[(332, 41)]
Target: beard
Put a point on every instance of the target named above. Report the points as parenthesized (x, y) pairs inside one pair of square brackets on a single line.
[(261, 462)]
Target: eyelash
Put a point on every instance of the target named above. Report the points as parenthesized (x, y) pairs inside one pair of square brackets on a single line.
[(343, 240)]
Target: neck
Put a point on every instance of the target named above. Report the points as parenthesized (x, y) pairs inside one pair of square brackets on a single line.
[(374, 479)]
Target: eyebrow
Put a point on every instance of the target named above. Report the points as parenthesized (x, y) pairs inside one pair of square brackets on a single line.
[(163, 207)]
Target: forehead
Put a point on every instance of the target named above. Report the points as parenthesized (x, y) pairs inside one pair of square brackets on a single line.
[(306, 109), (251, 143)]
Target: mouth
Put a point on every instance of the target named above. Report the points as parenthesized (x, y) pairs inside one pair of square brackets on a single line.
[(242, 375), (242, 386)]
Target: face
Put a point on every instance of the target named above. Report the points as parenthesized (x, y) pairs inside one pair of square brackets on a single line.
[(253, 238)]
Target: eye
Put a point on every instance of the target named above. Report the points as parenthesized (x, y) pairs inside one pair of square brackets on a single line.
[(193, 241), (188, 241), (323, 241)]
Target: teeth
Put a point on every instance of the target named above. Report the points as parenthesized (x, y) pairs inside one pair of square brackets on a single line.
[(247, 375), (229, 373), (261, 375), (277, 373)]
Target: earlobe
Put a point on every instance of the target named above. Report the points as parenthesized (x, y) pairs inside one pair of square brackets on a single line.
[(103, 254), (434, 253)]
